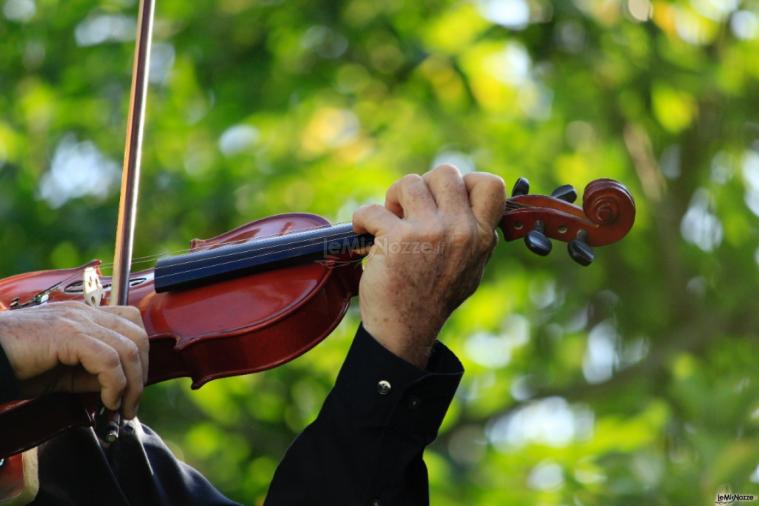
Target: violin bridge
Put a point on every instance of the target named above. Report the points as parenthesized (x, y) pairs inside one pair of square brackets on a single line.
[(92, 288)]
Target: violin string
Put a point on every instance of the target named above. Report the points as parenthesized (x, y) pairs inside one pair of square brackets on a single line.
[(231, 242), (148, 258), (145, 259), (295, 244), (509, 204), (250, 257)]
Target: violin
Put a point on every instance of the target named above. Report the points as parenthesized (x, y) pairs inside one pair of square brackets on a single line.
[(265, 293), (250, 299)]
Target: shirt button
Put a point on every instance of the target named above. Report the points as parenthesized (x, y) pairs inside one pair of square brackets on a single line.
[(383, 388), (376, 502), (414, 402)]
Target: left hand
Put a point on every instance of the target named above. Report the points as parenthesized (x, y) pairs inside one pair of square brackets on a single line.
[(433, 238)]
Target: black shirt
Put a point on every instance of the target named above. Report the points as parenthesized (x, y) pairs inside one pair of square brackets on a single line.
[(364, 448)]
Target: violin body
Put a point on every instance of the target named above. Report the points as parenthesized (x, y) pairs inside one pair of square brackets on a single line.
[(248, 323), (237, 326)]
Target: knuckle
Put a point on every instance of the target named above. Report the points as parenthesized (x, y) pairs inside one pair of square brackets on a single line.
[(111, 360), (77, 316), (79, 309), (67, 309), (131, 352), (132, 313), (366, 213), (360, 212), (447, 169), (409, 180), (490, 181), (497, 183), (142, 342), (70, 325)]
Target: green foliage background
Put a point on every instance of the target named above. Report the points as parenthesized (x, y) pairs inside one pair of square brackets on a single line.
[(630, 382)]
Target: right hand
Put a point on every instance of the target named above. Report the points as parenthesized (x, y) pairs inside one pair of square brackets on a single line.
[(72, 347)]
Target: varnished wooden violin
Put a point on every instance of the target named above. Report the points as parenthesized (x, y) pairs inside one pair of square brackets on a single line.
[(266, 292), (250, 299)]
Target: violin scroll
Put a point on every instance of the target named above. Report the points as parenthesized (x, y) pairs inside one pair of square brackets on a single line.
[(607, 215), (610, 205)]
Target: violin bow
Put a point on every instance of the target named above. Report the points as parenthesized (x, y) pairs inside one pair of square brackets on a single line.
[(130, 175), (130, 181)]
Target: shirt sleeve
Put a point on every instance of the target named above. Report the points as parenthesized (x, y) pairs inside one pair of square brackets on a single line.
[(366, 445), (138, 469)]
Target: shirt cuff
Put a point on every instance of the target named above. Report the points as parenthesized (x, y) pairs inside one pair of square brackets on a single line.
[(383, 390), (9, 389)]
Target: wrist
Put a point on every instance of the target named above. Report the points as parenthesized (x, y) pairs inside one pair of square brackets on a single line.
[(412, 344)]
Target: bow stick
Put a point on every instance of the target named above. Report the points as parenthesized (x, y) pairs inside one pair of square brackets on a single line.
[(130, 178)]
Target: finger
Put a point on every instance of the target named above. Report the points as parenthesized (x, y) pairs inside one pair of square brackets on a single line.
[(487, 197), (78, 381), (374, 219), (127, 321), (409, 197), (129, 356), (130, 313), (448, 188), (100, 360)]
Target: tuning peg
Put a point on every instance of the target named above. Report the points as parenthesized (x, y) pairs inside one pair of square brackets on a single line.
[(521, 187), (565, 192), (536, 240), (580, 251)]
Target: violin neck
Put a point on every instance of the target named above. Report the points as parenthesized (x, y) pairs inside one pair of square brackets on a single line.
[(337, 242)]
